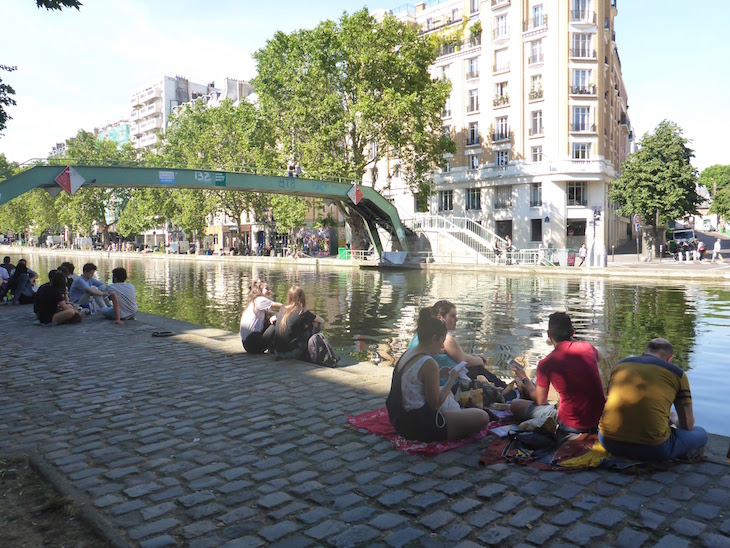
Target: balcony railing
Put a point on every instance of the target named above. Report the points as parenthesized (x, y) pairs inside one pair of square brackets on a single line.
[(500, 34), (473, 141), (535, 203), (503, 204), (535, 22), (583, 53), (503, 67), (583, 128), (534, 131), (500, 3), (133, 115), (501, 100), (535, 94), (498, 136), (583, 90), (534, 59), (473, 74), (475, 40), (583, 16)]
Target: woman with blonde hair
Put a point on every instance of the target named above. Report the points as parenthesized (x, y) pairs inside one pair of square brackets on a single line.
[(295, 326), (256, 321)]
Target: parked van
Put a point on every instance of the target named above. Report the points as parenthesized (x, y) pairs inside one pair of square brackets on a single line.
[(685, 235)]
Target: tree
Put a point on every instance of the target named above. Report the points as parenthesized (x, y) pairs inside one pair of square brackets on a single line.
[(721, 203), (658, 181), (715, 178), (91, 205), (6, 99), (58, 4), (345, 95), (225, 137)]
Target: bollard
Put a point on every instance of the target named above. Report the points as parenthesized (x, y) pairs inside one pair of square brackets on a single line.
[(613, 253), (688, 259), (661, 253)]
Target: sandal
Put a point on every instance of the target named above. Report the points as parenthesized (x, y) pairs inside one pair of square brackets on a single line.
[(163, 333)]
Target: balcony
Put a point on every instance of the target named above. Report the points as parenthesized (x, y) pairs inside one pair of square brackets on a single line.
[(500, 34), (499, 136), (586, 17), (535, 203), (623, 120), (502, 67), (583, 53), (583, 90), (501, 101), (535, 59), (535, 23), (500, 3), (472, 75), (148, 140), (473, 141), (475, 41), (446, 49), (536, 131), (582, 128), (535, 94), (134, 114)]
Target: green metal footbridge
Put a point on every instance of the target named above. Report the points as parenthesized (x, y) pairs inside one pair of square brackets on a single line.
[(374, 209)]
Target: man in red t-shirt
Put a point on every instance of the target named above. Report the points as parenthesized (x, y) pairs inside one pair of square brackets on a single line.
[(572, 368)]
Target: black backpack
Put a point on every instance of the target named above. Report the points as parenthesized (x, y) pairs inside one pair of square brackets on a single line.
[(321, 351)]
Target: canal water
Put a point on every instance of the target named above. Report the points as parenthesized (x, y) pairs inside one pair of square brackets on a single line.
[(371, 314)]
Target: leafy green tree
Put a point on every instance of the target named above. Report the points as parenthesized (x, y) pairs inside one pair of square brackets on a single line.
[(6, 99), (58, 4), (92, 205), (289, 213), (658, 181), (225, 137), (721, 203), (715, 178), (7, 169), (145, 209), (344, 95)]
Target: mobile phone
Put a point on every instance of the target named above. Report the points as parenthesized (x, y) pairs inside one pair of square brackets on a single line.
[(516, 365), (460, 366)]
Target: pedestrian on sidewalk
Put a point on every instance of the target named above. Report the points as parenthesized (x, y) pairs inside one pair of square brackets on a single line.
[(716, 251), (582, 253)]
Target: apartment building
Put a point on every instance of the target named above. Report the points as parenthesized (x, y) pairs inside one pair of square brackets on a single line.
[(119, 132), (153, 104), (539, 113)]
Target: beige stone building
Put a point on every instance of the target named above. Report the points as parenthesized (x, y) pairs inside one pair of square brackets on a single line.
[(539, 114)]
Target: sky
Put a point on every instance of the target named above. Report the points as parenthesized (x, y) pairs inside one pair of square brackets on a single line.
[(78, 69)]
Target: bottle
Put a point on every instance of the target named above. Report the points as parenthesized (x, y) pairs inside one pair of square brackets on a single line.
[(92, 306)]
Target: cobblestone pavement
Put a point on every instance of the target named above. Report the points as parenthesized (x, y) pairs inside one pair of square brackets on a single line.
[(187, 441)]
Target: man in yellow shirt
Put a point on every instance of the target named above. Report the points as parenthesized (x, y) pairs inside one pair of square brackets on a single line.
[(636, 418)]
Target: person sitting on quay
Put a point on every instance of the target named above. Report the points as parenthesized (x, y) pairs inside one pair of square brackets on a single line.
[(123, 297), (418, 407), (87, 287), (51, 303), (452, 353), (256, 327), (572, 369), (21, 283), (294, 327), (4, 277), (7, 265), (637, 416), (70, 276)]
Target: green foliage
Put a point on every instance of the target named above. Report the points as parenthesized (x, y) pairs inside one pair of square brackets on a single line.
[(289, 212), (58, 4), (145, 209), (721, 203), (715, 177), (658, 181), (7, 169), (6, 99)]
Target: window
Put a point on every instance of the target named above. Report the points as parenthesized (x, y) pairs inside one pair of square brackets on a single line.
[(581, 151), (535, 194), (501, 157), (429, 23), (538, 19), (501, 128), (372, 150), (501, 60), (581, 117), (536, 128), (445, 166), (446, 200), (500, 29), (503, 197), (580, 10), (472, 137), (455, 15), (445, 72), (537, 153), (581, 45), (536, 230), (582, 81), (446, 131), (576, 193), (474, 161), (473, 198), (472, 68), (473, 6), (473, 102), (446, 113), (536, 55), (500, 89)]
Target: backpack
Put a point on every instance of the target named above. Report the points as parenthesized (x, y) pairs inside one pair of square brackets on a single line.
[(321, 351)]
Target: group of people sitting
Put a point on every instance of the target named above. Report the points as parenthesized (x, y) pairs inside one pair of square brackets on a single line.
[(67, 297), (635, 420), (286, 334)]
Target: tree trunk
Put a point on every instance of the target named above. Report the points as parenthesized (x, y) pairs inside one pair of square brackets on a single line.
[(360, 240)]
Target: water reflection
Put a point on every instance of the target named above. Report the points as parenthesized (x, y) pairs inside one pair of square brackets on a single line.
[(371, 315)]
